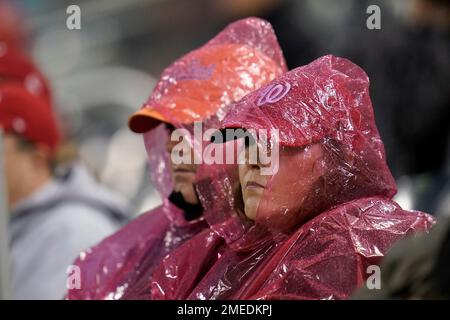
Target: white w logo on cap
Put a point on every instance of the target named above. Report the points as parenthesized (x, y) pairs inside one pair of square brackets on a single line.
[(273, 93)]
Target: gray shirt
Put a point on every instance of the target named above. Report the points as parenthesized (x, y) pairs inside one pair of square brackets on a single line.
[(52, 226)]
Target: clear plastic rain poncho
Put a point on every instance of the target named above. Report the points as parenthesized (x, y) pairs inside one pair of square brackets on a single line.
[(318, 221), (197, 87)]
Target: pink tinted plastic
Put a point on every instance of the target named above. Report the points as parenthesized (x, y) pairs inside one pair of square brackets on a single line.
[(205, 78), (108, 268), (121, 266), (326, 258), (336, 172), (158, 159), (330, 256), (250, 34), (327, 135)]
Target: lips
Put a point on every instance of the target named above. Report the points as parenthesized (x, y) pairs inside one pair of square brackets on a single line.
[(253, 184)]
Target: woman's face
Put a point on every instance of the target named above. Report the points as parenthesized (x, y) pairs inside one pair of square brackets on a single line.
[(183, 175), (277, 200)]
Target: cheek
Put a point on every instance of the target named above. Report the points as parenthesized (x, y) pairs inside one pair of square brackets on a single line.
[(281, 197), (8, 169), (11, 156), (285, 186), (251, 197), (287, 191), (15, 165)]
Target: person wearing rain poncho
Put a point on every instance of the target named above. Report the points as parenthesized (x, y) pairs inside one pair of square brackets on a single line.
[(317, 226), (53, 206), (198, 86)]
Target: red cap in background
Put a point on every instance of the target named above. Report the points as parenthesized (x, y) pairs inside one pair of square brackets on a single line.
[(31, 117), (16, 66)]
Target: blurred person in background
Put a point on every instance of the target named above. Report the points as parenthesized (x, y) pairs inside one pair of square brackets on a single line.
[(54, 214), (17, 67), (409, 59), (197, 87), (416, 268)]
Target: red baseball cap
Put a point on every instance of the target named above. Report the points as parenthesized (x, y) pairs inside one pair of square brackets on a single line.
[(240, 59), (24, 114), (16, 66), (327, 98)]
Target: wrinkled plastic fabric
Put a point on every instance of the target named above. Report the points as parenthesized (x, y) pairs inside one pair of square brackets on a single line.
[(327, 258), (108, 268), (202, 84), (120, 266), (322, 219), (327, 104), (260, 60)]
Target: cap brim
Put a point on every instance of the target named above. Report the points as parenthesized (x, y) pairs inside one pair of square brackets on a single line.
[(222, 135), (145, 120)]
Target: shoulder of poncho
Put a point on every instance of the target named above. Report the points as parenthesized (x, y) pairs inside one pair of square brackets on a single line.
[(134, 230), (371, 213)]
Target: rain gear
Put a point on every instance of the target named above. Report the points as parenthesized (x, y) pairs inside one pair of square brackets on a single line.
[(343, 224), (199, 86)]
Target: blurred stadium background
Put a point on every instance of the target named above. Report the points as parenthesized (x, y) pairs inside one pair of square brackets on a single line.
[(105, 71)]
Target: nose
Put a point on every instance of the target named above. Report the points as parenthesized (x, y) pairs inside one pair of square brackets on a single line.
[(252, 168), (252, 161)]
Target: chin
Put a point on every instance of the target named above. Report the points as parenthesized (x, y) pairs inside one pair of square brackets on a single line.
[(250, 212)]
